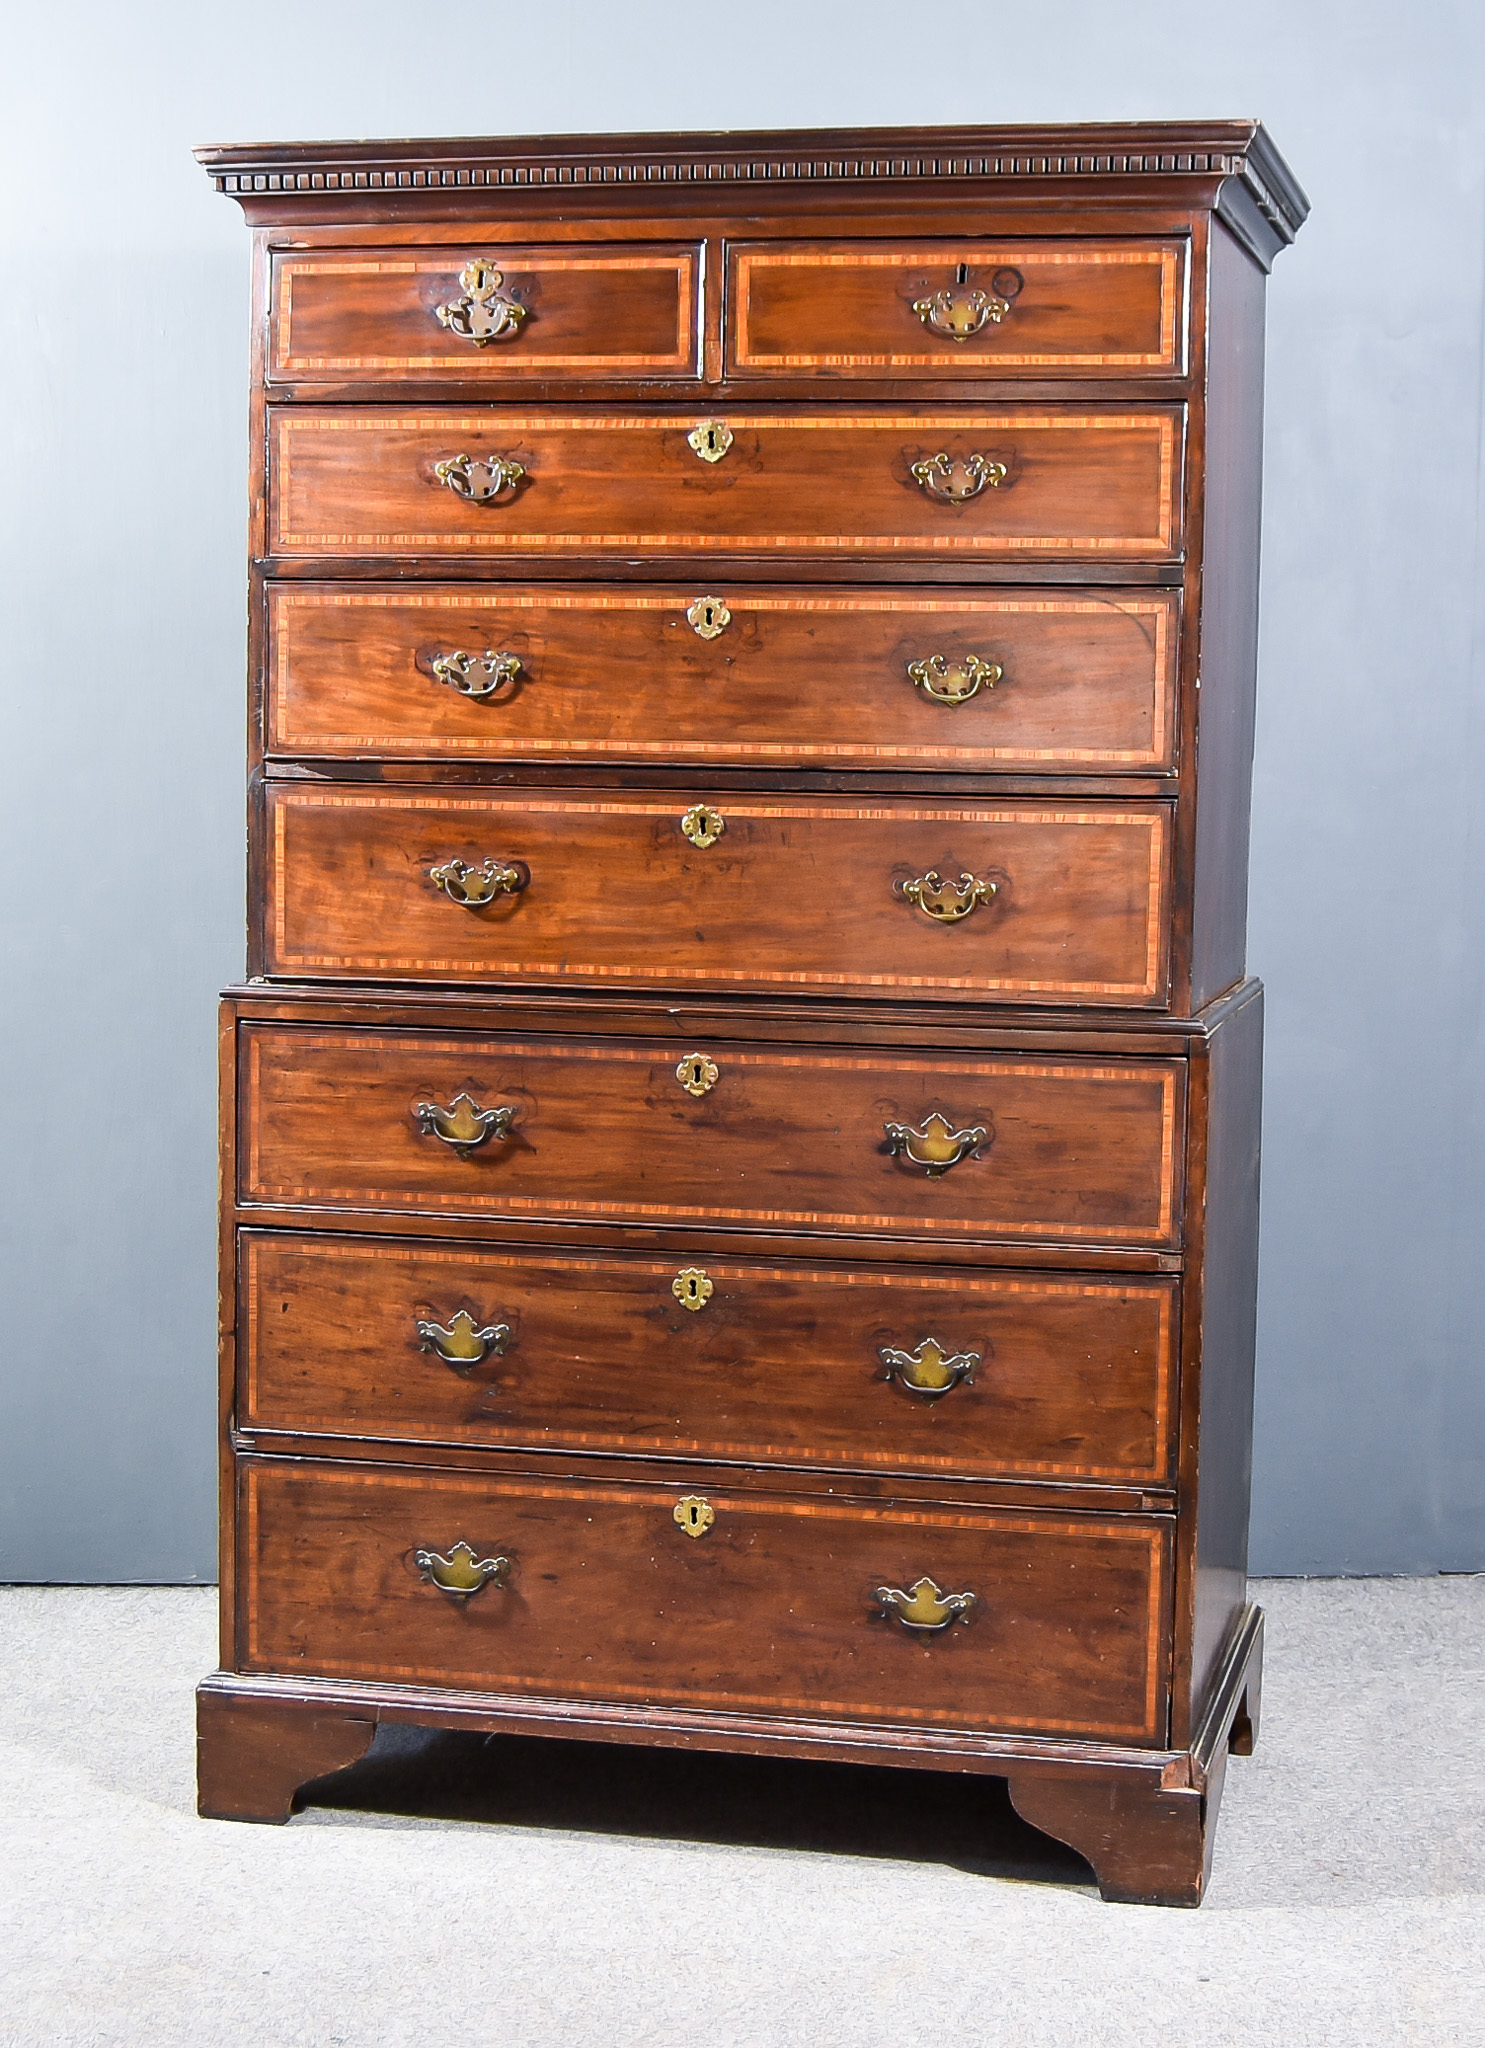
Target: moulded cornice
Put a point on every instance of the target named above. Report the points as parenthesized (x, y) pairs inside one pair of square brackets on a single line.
[(1203, 150)]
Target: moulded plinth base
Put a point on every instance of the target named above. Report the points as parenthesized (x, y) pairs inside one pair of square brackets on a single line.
[(1144, 1819)]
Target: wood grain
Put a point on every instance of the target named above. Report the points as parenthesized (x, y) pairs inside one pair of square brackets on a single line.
[(768, 281), (792, 895), (774, 1608), (782, 1365), (253, 1756), (845, 309), (590, 313), (361, 482), (1078, 1152), (797, 676)]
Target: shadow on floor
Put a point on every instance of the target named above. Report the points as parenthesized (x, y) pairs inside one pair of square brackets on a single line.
[(965, 1822)]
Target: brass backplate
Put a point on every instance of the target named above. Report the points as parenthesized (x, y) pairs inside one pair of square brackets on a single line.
[(703, 826), (711, 439), (708, 617), (697, 1074), (692, 1288), (694, 1515)]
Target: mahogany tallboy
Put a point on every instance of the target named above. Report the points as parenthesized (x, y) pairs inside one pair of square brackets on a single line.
[(741, 1132)]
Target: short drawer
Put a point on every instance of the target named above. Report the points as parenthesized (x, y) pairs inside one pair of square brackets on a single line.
[(875, 1145), (972, 308), (486, 314), (964, 485), (1010, 1375), (1035, 680), (596, 1593), (1042, 903)]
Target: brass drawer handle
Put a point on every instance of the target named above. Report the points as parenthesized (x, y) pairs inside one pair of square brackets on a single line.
[(480, 676), (945, 684), (475, 887), (930, 1370), (479, 479), (954, 478), (463, 1572), (463, 1345), (485, 313), (924, 1607), (947, 902), (464, 1125), (935, 1147), (961, 310)]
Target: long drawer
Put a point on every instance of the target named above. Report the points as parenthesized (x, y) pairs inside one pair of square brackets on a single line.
[(985, 1375), (596, 1593), (1027, 679), (875, 1144), (1005, 485), (1045, 903)]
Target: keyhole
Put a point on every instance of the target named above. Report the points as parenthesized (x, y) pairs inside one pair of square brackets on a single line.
[(961, 275), (693, 1515), (692, 1288), (710, 439)]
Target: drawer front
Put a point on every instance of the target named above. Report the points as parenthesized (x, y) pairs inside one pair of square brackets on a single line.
[(773, 1609), (871, 678), (360, 483), (957, 309), (788, 895), (598, 1129), (1006, 1375), (569, 313)]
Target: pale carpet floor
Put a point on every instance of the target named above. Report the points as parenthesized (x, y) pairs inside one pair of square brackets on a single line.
[(613, 1897)]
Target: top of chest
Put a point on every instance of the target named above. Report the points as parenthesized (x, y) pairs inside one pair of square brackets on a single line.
[(927, 260)]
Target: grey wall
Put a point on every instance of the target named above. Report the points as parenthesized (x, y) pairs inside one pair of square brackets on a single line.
[(123, 362)]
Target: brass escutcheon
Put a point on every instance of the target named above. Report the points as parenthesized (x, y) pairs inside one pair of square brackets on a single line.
[(692, 1288), (463, 1572), (464, 1125), (954, 478), (485, 313), (697, 1074), (702, 825), (935, 1146), (463, 1344), (476, 675), (947, 902), (934, 676), (924, 1607), (930, 1370), (479, 479), (694, 1515), (710, 440), (708, 617)]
